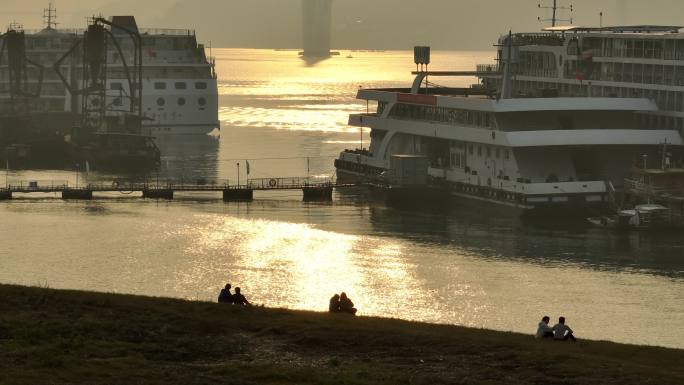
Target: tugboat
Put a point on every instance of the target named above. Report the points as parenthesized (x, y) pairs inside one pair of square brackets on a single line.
[(641, 217), (117, 151), (657, 195)]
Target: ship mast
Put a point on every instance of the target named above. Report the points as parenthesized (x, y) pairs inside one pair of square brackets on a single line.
[(555, 8), (50, 17)]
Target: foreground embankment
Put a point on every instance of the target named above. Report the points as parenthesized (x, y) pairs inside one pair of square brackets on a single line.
[(67, 337)]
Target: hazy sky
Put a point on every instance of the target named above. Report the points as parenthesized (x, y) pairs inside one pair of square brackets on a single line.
[(378, 24)]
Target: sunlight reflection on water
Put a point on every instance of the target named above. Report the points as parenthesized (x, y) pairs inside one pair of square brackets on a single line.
[(464, 266)]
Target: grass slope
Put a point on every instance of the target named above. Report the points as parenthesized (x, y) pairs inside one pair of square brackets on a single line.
[(67, 337)]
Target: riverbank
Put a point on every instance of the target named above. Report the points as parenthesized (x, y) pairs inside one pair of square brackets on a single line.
[(69, 337)]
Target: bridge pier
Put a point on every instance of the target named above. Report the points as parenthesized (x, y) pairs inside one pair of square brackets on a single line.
[(241, 194), (158, 194), (77, 195), (318, 194), (5, 195)]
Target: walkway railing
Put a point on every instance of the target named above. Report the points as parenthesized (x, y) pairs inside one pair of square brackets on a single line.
[(264, 184)]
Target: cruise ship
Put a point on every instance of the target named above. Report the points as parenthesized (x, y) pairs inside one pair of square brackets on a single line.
[(179, 83), (556, 124)]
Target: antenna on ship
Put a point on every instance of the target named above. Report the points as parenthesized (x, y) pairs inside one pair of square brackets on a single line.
[(50, 17), (15, 26), (554, 12)]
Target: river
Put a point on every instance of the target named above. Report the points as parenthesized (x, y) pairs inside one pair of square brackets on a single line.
[(463, 264)]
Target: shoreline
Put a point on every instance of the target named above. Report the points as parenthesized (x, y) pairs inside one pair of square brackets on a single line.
[(74, 337)]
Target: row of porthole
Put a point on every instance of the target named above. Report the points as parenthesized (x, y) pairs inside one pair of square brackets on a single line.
[(161, 102)]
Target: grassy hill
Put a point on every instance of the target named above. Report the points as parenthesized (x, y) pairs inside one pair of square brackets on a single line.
[(67, 337)]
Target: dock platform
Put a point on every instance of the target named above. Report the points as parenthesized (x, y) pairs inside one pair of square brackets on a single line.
[(313, 189)]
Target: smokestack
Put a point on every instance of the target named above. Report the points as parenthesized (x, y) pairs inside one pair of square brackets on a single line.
[(317, 19)]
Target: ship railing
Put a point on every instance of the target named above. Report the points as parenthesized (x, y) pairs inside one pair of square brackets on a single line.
[(541, 38), (75, 31), (647, 189), (487, 68), (275, 183), (167, 31), (142, 31), (38, 185), (545, 73)]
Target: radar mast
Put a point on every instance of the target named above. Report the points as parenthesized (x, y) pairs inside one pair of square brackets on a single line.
[(50, 17), (555, 8)]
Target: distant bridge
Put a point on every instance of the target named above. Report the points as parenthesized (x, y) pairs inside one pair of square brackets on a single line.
[(313, 189)]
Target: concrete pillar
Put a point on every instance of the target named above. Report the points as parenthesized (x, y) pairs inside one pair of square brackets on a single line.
[(241, 194), (312, 194), (158, 194), (77, 194)]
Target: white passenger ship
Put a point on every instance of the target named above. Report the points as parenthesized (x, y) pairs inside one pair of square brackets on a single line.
[(179, 84), (559, 122)]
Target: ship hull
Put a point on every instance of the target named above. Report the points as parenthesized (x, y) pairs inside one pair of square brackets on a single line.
[(571, 206)]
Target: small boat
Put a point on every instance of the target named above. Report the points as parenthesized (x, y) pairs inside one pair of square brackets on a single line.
[(641, 217)]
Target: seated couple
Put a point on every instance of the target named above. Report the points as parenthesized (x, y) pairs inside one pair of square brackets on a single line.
[(236, 299), (341, 304), (559, 332)]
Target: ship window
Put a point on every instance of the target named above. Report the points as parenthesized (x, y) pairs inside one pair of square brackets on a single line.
[(181, 85), (507, 154), (161, 102), (479, 150), (573, 47), (181, 101), (201, 85), (116, 86), (470, 149), (202, 101), (489, 152), (498, 153), (159, 86)]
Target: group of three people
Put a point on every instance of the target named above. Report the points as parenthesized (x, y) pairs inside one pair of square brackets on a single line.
[(559, 332), (341, 304), (236, 299)]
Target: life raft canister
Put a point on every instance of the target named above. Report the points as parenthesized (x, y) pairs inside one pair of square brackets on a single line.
[(272, 182)]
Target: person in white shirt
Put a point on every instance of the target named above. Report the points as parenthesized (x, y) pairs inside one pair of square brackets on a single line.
[(562, 332), (544, 330)]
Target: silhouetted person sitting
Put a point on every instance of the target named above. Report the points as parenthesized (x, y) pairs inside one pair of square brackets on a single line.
[(544, 330), (346, 305), (239, 299), (562, 332), (225, 296), (334, 306)]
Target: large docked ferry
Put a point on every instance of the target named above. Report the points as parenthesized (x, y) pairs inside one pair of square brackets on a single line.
[(557, 122), (179, 83)]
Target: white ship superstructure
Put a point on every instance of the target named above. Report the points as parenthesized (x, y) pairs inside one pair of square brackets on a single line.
[(558, 123), (179, 85)]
